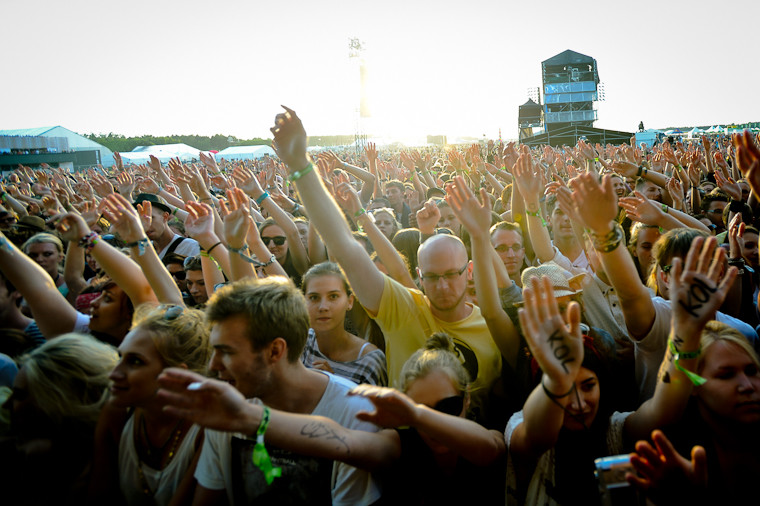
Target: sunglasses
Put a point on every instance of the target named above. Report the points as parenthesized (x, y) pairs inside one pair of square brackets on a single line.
[(279, 240), (180, 275), (450, 405), (172, 311)]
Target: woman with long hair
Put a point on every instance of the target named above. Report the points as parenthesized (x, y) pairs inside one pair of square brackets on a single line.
[(142, 453)]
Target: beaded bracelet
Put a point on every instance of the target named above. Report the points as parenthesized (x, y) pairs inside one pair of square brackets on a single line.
[(89, 241), (298, 174)]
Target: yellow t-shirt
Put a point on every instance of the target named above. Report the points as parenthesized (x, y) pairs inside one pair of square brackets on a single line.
[(406, 321)]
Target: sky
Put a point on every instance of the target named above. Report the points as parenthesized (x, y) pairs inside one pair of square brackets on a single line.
[(445, 67)]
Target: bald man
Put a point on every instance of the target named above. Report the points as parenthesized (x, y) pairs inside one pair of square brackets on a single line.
[(406, 316)]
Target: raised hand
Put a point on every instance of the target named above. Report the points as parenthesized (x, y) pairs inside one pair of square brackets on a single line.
[(474, 215), (199, 222), (118, 160), (237, 219), (125, 220), (640, 208), (728, 185), (736, 236), (72, 227), (208, 402), (428, 217), (597, 217), (625, 169), (664, 474), (245, 180), (392, 408), (290, 140), (697, 289), (528, 181), (101, 185), (209, 161), (748, 160), (675, 189), (348, 198), (125, 183), (556, 343), (371, 151)]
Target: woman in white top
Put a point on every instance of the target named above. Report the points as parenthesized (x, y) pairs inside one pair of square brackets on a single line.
[(141, 453)]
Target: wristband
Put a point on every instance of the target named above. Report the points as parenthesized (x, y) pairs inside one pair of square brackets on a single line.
[(298, 174), (245, 257), (261, 198), (260, 456), (269, 262), (554, 397), (696, 379), (3, 196), (141, 245), (208, 251), (537, 214), (665, 208), (174, 211), (360, 212)]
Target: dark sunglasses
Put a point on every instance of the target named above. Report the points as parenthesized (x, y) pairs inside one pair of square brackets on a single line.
[(278, 240), (450, 405), (180, 275)]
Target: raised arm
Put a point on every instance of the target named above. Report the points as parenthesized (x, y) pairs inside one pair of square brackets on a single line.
[(54, 315), (546, 332), (127, 223), (200, 225), (700, 272), (397, 269), (124, 271), (237, 223), (608, 239), (290, 141), (528, 182), (476, 218), (250, 185)]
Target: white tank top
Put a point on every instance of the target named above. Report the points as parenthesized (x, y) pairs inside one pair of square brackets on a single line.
[(164, 482)]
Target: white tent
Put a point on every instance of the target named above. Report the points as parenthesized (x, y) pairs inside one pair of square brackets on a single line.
[(165, 151), (245, 153)]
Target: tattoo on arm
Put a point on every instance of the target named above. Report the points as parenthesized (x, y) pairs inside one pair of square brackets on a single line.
[(314, 430)]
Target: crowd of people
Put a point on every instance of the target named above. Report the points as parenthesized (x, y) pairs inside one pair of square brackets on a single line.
[(491, 323)]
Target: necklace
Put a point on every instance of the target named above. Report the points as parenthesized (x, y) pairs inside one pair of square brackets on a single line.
[(174, 437)]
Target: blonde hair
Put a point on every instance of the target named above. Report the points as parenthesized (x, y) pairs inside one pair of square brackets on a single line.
[(182, 339), (715, 332), (68, 377), (43, 238), (438, 354)]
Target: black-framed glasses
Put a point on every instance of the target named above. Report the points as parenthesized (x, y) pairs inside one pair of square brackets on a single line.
[(172, 312), (450, 405), (448, 276), (279, 240), (503, 248), (180, 275)]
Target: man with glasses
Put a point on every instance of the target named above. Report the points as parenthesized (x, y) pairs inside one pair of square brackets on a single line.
[(406, 316)]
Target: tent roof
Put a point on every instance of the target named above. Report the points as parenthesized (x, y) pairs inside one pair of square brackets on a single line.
[(568, 56), (27, 132), (167, 148)]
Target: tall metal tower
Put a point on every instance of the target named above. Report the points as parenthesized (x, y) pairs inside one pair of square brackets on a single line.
[(570, 82), (361, 112)]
